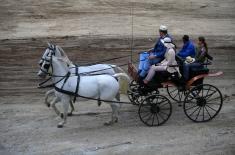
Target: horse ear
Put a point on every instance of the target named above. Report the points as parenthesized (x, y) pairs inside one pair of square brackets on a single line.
[(61, 51), (49, 44)]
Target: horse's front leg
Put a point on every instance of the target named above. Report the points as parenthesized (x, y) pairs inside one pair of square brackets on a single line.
[(54, 101), (47, 95), (65, 103), (115, 111)]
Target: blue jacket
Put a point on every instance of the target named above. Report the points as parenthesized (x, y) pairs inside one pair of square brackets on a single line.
[(159, 48), (187, 50)]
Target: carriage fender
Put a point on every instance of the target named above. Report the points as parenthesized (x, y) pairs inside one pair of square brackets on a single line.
[(191, 81)]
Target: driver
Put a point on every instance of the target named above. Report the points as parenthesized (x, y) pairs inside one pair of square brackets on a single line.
[(169, 64), (154, 55)]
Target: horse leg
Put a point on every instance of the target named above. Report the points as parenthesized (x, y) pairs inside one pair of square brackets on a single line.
[(114, 116), (118, 96), (72, 108), (66, 107), (54, 101), (47, 95)]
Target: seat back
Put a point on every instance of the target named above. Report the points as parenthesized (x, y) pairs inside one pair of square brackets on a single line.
[(198, 71)]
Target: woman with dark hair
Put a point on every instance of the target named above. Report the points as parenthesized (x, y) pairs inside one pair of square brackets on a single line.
[(202, 50), (200, 58)]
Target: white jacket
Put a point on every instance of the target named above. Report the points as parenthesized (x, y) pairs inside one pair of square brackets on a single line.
[(170, 60)]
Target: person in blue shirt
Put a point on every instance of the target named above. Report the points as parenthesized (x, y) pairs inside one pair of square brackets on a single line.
[(154, 55), (188, 48)]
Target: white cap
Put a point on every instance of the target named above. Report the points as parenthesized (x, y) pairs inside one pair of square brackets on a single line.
[(163, 28), (167, 40)]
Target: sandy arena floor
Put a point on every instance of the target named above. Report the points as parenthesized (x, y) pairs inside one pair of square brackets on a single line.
[(91, 30)]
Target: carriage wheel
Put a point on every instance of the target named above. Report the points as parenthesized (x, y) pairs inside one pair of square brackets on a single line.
[(176, 94), (155, 110), (203, 103), (132, 92)]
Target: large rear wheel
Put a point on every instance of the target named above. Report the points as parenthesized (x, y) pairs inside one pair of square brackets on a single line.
[(203, 103)]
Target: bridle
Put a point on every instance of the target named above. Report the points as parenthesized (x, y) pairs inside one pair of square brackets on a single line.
[(50, 54)]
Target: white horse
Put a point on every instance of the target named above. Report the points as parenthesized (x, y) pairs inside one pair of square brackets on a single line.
[(103, 87), (92, 69)]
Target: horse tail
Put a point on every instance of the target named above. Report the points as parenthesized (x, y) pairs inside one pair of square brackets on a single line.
[(123, 84), (117, 69), (118, 75)]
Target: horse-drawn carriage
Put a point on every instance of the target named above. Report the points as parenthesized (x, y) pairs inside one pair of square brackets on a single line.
[(201, 102)]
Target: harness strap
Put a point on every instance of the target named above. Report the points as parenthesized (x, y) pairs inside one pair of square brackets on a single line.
[(76, 69), (66, 78), (76, 91), (90, 98), (40, 84)]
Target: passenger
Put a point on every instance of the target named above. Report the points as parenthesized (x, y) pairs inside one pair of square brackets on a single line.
[(188, 48), (200, 58), (169, 63), (155, 55)]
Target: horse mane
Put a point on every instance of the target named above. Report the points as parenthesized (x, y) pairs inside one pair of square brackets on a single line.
[(61, 59)]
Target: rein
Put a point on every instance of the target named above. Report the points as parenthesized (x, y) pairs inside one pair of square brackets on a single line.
[(40, 85), (89, 98)]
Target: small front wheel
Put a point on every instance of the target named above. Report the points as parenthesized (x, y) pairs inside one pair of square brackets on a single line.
[(176, 94), (155, 110)]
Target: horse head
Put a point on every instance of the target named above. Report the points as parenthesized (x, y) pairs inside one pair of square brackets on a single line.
[(50, 59)]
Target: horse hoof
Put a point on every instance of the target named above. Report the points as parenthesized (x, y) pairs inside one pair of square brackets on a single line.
[(59, 126), (48, 105), (108, 123), (70, 114), (62, 115)]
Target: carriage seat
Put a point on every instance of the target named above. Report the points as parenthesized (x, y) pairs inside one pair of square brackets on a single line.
[(200, 70), (164, 76)]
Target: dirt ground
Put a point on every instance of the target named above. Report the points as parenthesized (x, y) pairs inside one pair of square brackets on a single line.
[(92, 30)]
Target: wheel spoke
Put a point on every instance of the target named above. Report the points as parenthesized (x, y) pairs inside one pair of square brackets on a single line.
[(207, 92), (149, 117), (191, 107), (145, 108), (190, 97), (211, 108), (203, 113), (162, 101), (144, 111), (202, 91), (153, 119), (146, 115), (194, 111), (173, 90), (157, 119), (160, 116), (208, 96), (180, 95), (164, 104), (198, 112), (165, 109), (208, 112), (213, 99), (163, 113)]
